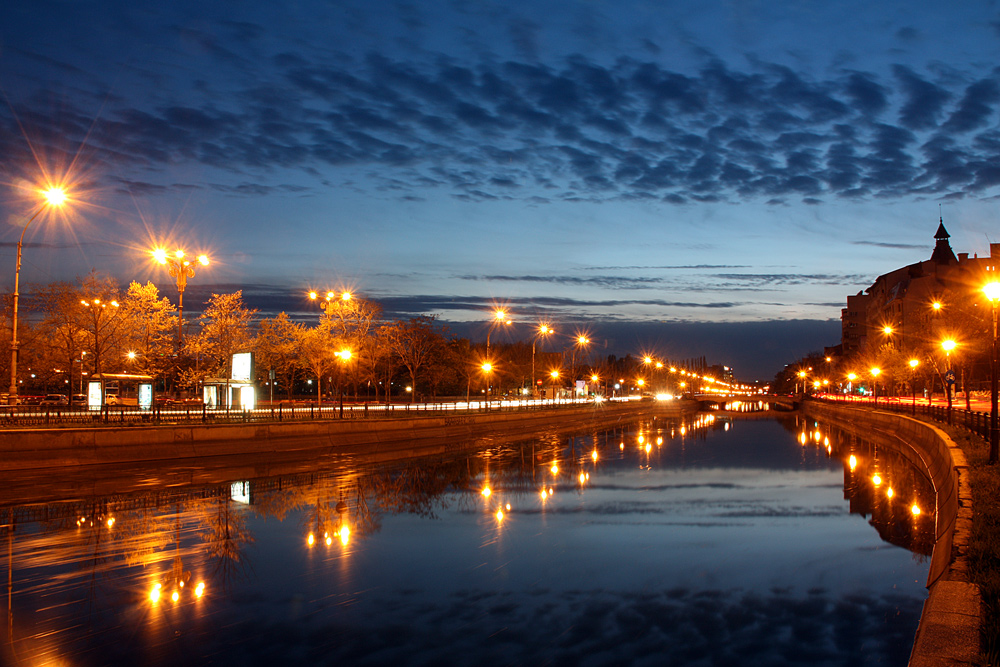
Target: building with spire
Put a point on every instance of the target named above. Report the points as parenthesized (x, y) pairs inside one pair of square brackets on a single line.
[(914, 306)]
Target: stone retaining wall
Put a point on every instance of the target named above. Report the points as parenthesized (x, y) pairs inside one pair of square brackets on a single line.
[(948, 633), (43, 448)]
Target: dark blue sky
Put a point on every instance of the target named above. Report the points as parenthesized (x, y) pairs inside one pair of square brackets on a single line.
[(591, 163)]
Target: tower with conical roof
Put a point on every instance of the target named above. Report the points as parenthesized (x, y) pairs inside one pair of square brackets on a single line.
[(943, 253)]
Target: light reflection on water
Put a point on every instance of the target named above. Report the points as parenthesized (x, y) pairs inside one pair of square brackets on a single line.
[(704, 542)]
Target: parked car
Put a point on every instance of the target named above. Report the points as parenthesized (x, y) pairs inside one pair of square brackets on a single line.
[(30, 400), (54, 399), (78, 399)]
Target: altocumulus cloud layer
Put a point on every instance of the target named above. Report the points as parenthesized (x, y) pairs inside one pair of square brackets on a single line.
[(573, 129)]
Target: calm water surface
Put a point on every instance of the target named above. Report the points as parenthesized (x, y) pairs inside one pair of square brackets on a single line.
[(708, 542)]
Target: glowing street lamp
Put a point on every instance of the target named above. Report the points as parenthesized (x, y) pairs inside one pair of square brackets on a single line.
[(875, 373), (555, 378), (499, 319), (543, 330), (55, 197), (487, 370), (913, 381), (180, 267), (581, 341), (949, 376), (992, 292)]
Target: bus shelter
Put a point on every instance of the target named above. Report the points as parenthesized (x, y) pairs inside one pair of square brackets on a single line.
[(229, 393), (120, 389)]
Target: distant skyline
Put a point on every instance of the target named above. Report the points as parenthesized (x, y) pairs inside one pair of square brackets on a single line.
[(707, 179)]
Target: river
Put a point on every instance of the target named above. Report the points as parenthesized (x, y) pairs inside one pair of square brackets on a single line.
[(707, 541)]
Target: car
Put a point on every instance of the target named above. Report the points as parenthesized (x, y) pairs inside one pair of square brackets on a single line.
[(165, 401), (54, 400), (78, 399), (30, 400)]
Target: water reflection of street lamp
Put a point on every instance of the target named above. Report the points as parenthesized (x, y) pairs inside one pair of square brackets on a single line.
[(992, 292), (180, 268), (56, 197)]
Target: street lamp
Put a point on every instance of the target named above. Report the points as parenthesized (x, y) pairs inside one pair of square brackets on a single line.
[(56, 197), (581, 341), (487, 369), (913, 381), (992, 292), (345, 358), (499, 318), (555, 378), (543, 330), (181, 268), (875, 372), (802, 376), (949, 375)]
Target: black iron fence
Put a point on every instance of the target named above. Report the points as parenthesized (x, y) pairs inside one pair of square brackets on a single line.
[(976, 421), (54, 416)]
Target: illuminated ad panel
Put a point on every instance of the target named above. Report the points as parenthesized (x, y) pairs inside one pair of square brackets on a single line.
[(242, 367)]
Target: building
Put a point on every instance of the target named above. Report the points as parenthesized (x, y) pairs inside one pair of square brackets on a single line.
[(907, 307)]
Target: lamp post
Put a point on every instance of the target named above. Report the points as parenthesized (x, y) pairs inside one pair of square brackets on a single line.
[(992, 291), (948, 345), (802, 376), (913, 382), (875, 372), (345, 357), (499, 317), (487, 369), (181, 268), (555, 378), (581, 341), (543, 330), (53, 197)]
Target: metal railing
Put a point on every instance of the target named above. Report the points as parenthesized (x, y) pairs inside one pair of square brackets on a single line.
[(976, 421), (57, 416)]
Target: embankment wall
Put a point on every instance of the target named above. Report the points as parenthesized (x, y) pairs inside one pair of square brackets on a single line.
[(948, 633), (54, 447)]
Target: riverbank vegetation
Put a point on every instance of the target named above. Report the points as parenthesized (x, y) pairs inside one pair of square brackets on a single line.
[(328, 345)]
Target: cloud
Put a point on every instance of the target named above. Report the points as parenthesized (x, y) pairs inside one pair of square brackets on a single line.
[(572, 129)]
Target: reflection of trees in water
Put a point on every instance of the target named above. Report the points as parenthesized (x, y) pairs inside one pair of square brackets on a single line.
[(172, 533), (225, 536)]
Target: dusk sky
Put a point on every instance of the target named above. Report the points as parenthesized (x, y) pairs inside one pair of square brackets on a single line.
[(702, 178)]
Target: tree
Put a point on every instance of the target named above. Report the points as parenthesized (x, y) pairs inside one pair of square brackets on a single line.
[(100, 319), (316, 347), (415, 342), (148, 323), (277, 348), (62, 328), (353, 323), (225, 330)]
